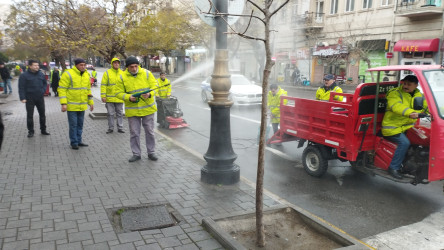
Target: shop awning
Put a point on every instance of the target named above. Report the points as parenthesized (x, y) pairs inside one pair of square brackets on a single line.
[(417, 45)]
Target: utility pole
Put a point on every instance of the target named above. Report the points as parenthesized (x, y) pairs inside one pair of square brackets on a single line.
[(220, 157)]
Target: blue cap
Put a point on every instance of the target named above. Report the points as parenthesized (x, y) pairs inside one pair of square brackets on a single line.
[(329, 77)]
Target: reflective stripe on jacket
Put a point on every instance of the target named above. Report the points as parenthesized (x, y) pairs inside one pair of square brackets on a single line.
[(129, 84), (399, 107), (108, 85), (324, 95), (75, 90), (274, 102), (163, 92)]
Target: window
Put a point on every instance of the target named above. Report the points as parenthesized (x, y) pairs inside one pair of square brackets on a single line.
[(367, 4), (350, 6), (334, 7), (386, 2)]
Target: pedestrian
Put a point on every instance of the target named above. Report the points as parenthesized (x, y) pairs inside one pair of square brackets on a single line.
[(94, 76), (6, 77), (140, 112), (32, 87), (295, 76), (75, 96), (274, 102), (55, 78), (2, 129), (164, 86), (108, 91), (323, 93), (163, 92), (399, 117)]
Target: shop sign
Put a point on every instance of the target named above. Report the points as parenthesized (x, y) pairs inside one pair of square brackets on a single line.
[(330, 51), (388, 55)]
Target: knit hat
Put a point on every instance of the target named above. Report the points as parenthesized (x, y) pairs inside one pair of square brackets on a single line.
[(79, 60), (131, 60)]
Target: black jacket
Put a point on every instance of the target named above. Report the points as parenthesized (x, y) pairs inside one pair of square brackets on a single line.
[(4, 72), (32, 85)]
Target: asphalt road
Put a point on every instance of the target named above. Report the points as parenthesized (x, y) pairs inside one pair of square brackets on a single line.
[(357, 203)]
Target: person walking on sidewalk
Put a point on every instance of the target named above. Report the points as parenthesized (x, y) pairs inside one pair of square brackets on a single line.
[(55, 79), (323, 93), (140, 112), (32, 87), (114, 105), (6, 76), (75, 96)]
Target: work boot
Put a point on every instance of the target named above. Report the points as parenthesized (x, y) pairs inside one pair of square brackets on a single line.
[(109, 131), (30, 134), (152, 157), (134, 158), (44, 132), (395, 173)]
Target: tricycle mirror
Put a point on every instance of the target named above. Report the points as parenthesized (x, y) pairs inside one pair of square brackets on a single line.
[(418, 103)]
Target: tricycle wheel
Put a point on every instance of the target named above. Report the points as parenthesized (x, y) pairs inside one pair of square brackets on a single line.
[(314, 161)]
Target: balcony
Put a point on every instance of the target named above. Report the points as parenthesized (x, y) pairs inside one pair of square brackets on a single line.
[(418, 8), (314, 20)]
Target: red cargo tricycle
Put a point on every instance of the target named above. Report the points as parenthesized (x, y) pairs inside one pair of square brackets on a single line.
[(350, 130)]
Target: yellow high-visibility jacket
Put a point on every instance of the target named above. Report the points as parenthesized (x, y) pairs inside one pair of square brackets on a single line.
[(163, 92), (108, 84), (324, 95), (274, 102), (399, 107), (128, 85), (75, 90)]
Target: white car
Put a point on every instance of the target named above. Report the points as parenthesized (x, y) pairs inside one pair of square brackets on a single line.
[(242, 91)]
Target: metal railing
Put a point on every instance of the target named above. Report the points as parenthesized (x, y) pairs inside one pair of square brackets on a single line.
[(314, 19), (413, 4)]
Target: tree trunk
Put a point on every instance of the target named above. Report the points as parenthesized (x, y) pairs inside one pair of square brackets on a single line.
[(260, 230)]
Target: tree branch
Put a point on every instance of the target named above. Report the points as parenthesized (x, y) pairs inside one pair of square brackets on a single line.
[(280, 7)]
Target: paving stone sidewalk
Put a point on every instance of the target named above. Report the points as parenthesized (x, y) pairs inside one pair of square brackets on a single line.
[(53, 197)]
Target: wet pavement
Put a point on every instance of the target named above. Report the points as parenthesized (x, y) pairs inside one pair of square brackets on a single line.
[(53, 197)]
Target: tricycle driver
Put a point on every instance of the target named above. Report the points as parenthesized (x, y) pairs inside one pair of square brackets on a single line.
[(401, 114)]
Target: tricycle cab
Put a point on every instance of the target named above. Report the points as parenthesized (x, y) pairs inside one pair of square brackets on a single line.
[(431, 83)]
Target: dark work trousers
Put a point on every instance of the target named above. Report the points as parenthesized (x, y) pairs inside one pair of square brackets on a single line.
[(40, 104)]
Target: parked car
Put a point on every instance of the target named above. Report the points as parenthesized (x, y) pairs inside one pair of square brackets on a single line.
[(89, 67), (242, 91)]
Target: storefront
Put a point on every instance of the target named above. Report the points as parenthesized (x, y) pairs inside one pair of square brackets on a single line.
[(417, 52), (377, 59), (331, 59)]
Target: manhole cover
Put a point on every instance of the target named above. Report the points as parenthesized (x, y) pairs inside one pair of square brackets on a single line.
[(145, 218)]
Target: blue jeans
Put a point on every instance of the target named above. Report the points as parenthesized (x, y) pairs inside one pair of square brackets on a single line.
[(7, 85), (75, 120), (403, 145)]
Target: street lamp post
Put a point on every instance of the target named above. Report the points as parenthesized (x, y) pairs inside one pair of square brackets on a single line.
[(220, 157)]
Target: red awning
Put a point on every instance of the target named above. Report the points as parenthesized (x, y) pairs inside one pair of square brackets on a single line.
[(417, 45), (155, 58)]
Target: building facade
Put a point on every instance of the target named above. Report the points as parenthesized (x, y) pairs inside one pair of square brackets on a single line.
[(347, 37)]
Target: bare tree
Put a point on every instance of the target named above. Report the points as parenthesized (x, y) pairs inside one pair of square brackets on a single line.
[(266, 10)]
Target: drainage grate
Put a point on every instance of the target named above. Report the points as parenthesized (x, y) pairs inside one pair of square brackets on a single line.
[(146, 218), (143, 217)]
